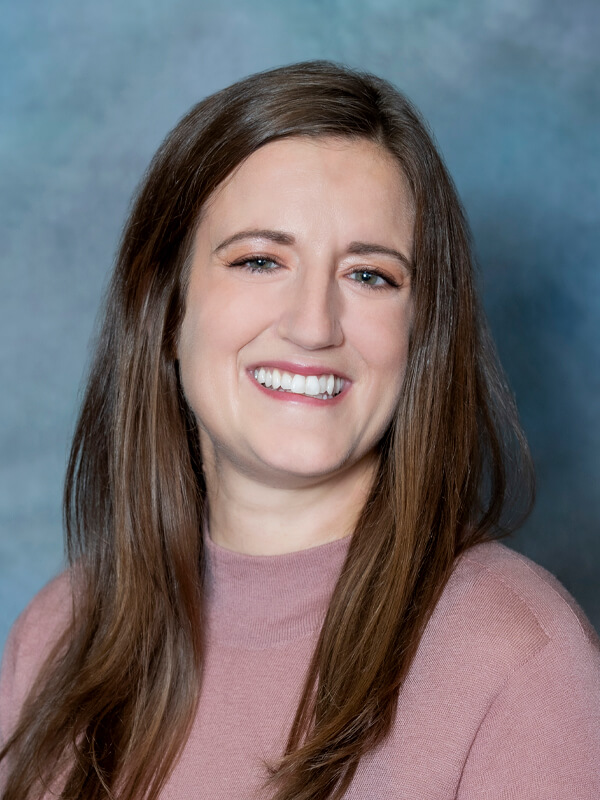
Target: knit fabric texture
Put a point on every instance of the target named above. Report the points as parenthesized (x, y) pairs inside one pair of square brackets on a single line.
[(502, 700)]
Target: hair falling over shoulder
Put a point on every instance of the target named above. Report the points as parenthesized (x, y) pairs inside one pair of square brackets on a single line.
[(115, 701)]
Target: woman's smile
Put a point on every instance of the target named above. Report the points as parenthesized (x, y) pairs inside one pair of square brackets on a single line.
[(313, 383)]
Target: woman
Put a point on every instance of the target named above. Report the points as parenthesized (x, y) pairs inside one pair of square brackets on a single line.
[(294, 451)]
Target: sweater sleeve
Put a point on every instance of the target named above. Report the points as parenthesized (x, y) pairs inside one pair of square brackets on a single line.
[(540, 739), (7, 679), (8, 713), (29, 642)]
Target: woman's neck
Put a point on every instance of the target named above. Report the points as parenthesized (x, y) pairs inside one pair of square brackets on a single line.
[(250, 516)]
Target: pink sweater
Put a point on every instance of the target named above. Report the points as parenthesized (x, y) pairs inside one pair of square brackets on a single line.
[(502, 700)]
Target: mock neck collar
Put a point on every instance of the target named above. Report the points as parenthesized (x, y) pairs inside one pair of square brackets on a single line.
[(264, 601)]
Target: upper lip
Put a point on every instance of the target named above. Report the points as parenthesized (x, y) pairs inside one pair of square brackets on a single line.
[(299, 369)]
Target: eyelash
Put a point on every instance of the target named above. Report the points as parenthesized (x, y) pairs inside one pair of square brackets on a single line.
[(390, 282), (261, 270), (244, 262)]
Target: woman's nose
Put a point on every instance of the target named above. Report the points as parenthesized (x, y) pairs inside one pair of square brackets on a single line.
[(311, 316)]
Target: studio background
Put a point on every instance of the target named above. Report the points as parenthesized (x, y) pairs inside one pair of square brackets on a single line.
[(511, 91)]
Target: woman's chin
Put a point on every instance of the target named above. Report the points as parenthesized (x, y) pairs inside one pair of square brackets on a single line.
[(299, 472), (304, 466)]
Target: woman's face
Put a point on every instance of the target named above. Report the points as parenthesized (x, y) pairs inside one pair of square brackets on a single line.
[(300, 279)]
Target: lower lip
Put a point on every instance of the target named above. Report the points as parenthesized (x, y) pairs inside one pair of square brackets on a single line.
[(291, 397)]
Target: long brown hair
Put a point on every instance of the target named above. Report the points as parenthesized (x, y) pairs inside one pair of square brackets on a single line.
[(116, 699)]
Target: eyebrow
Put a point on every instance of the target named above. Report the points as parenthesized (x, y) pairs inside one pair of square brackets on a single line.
[(280, 237), (370, 248)]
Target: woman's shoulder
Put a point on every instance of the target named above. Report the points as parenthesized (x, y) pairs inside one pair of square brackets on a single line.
[(30, 641), (525, 661), (516, 588), (505, 684), (43, 618), (504, 610)]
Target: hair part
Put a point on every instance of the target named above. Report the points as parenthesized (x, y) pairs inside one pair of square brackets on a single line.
[(116, 699)]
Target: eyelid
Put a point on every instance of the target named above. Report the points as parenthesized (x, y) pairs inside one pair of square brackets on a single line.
[(240, 262), (386, 276)]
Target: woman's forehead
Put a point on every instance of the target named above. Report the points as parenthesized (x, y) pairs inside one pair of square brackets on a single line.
[(297, 177)]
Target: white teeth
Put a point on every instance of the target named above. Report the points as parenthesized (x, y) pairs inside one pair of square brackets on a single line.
[(298, 384), (312, 386), (324, 387)]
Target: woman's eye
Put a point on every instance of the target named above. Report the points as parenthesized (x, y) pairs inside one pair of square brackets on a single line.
[(373, 279), (257, 264)]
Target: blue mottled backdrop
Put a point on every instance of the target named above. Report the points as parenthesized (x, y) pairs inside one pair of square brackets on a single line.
[(511, 89)]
